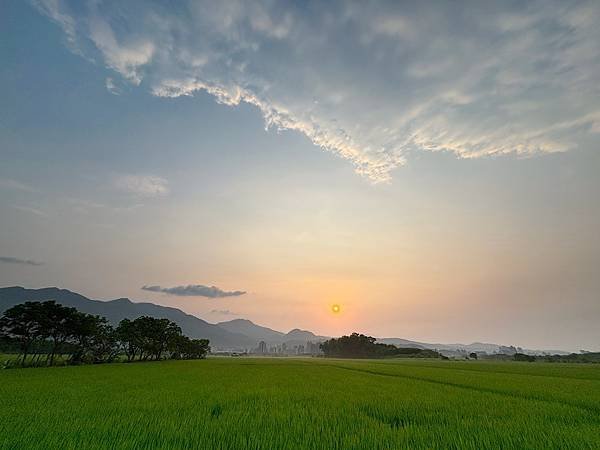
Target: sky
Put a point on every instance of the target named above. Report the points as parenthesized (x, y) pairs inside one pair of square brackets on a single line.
[(432, 168)]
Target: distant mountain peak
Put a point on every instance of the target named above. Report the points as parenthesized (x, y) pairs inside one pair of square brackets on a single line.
[(121, 300), (298, 330), (246, 321), (298, 334)]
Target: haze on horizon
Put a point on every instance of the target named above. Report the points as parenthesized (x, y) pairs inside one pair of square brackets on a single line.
[(431, 169)]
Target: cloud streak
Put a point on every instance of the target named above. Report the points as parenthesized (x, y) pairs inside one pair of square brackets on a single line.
[(30, 210), (26, 262), (372, 82), (8, 183), (196, 290), (224, 312), (142, 185)]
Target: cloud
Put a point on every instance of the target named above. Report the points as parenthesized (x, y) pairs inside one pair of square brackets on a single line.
[(142, 185), (11, 260), (224, 312), (372, 82), (112, 87), (84, 206), (30, 210), (52, 9), (8, 183), (197, 290), (124, 57)]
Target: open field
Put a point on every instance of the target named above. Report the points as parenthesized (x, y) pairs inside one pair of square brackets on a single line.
[(262, 403)]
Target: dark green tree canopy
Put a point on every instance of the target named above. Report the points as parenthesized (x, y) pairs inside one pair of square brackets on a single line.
[(361, 346), (52, 329)]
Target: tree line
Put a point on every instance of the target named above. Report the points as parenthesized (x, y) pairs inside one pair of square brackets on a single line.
[(40, 331), (361, 346)]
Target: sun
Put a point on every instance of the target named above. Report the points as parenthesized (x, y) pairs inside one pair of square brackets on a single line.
[(335, 309)]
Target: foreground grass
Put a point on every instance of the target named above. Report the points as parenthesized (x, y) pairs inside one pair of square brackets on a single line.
[(262, 403)]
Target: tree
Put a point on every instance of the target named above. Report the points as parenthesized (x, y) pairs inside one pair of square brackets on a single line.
[(58, 323), (356, 346), (93, 339), (104, 343), (23, 324), (198, 348), (179, 347), (361, 346), (50, 328), (148, 336), (129, 336), (164, 335), (523, 357), (145, 328), (473, 355), (183, 347)]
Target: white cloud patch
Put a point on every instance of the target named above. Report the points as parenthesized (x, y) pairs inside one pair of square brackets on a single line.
[(142, 185), (372, 82), (124, 57), (111, 86)]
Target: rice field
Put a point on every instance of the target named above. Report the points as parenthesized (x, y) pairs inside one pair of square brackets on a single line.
[(261, 403)]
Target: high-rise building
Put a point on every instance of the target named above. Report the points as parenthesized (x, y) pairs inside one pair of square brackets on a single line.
[(262, 348), (313, 348)]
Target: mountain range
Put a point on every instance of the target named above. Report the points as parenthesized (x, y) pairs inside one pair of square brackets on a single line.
[(272, 337), (457, 349), (237, 334)]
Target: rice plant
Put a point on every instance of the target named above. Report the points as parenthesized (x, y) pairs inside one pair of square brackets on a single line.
[(261, 403)]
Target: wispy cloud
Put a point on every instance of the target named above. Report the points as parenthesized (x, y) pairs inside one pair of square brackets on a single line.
[(372, 82), (52, 9), (196, 290), (27, 262), (85, 206), (142, 185), (224, 312), (111, 86), (30, 210), (8, 183)]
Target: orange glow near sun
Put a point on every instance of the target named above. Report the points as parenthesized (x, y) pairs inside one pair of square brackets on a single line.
[(335, 309)]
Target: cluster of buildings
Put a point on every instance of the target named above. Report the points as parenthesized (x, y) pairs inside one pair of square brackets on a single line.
[(288, 349)]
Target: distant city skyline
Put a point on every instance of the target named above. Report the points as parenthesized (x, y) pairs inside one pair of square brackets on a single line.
[(432, 170)]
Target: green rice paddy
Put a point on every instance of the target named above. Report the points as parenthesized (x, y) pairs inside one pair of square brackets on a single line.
[(261, 403)]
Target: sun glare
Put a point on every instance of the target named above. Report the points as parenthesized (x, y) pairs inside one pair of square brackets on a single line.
[(335, 309)]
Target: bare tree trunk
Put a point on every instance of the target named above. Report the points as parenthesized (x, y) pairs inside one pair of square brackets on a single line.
[(37, 358), (53, 352), (25, 349)]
